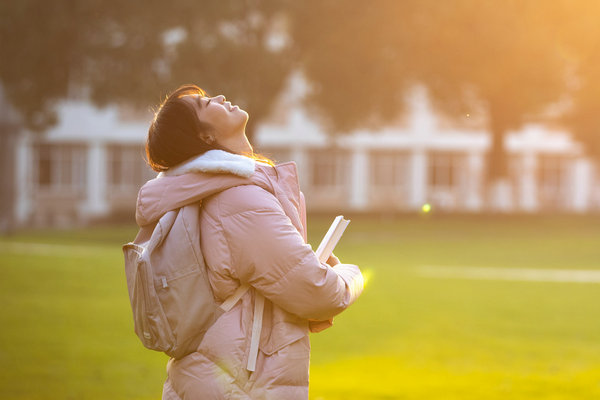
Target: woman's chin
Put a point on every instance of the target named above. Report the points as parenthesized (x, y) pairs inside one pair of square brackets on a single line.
[(244, 117)]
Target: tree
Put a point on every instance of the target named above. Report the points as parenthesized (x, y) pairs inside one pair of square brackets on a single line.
[(505, 59), (359, 57), (135, 52), (498, 57), (583, 119), (8, 126), (580, 34)]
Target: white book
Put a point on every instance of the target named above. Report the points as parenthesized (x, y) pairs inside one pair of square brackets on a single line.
[(331, 238)]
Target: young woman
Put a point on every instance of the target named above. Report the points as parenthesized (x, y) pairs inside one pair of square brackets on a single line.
[(252, 231)]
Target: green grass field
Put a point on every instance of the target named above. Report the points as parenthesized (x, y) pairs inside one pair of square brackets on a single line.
[(66, 329)]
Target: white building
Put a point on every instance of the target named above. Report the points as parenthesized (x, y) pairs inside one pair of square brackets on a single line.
[(422, 161), (91, 165)]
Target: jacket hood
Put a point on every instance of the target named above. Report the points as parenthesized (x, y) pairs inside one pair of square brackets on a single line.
[(192, 181), (208, 174), (215, 161)]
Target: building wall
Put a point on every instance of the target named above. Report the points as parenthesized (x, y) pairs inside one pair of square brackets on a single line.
[(404, 179), (87, 167), (91, 166), (421, 161)]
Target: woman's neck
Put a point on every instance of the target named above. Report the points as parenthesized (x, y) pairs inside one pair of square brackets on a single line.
[(238, 144)]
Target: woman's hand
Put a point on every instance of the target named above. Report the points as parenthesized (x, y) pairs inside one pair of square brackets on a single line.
[(316, 325), (333, 260)]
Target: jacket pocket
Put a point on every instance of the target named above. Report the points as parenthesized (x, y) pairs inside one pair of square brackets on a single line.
[(282, 335)]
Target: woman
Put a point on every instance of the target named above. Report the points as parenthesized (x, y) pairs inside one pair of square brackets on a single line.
[(253, 231)]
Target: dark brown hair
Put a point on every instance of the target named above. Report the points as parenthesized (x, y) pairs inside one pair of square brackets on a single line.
[(175, 133)]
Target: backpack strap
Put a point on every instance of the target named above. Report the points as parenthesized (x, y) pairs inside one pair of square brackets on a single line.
[(163, 226), (259, 306), (234, 298)]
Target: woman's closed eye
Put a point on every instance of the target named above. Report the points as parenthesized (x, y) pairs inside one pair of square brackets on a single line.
[(201, 104)]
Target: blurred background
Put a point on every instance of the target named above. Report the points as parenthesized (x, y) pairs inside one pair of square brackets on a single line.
[(461, 136)]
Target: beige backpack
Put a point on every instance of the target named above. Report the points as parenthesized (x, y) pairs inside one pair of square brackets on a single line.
[(172, 302)]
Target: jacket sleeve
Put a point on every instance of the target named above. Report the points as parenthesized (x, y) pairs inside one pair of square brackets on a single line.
[(270, 254)]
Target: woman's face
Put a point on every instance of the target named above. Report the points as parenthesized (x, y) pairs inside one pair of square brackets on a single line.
[(227, 120)]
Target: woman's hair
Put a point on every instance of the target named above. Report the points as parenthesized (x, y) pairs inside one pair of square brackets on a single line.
[(175, 133)]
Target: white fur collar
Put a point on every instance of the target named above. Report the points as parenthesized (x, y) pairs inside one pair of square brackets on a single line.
[(215, 161)]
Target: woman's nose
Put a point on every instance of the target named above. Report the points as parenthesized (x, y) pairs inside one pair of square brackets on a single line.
[(220, 98)]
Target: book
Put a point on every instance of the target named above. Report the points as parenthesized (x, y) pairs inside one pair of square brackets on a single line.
[(331, 238)]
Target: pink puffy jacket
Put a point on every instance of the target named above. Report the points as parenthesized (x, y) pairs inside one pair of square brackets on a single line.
[(252, 230)]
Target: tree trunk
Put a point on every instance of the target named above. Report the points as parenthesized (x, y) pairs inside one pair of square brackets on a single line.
[(497, 166), (8, 136), (497, 180)]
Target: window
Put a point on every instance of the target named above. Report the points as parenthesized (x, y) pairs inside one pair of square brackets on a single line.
[(551, 173), (389, 170), (515, 166), (44, 165), (127, 169), (553, 183), (60, 167), (329, 168), (447, 180), (442, 170)]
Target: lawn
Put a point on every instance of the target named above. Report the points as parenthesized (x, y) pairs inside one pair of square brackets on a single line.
[(67, 331)]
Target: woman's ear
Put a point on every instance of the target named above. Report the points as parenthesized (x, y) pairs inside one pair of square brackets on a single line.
[(209, 139)]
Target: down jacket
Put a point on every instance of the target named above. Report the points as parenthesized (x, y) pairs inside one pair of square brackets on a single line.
[(252, 231)]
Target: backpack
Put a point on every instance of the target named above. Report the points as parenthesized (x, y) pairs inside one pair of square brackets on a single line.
[(171, 298)]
